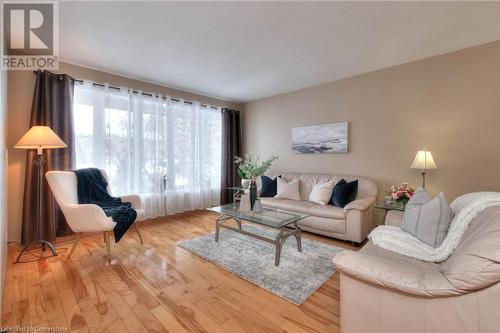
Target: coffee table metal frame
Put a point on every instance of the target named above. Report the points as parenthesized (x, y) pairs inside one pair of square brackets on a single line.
[(291, 229)]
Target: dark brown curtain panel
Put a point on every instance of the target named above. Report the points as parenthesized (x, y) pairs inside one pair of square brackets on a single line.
[(231, 147), (52, 106)]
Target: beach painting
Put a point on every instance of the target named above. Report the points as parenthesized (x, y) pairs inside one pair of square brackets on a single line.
[(320, 139)]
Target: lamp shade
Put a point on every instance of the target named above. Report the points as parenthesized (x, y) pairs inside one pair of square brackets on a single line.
[(40, 137), (423, 161)]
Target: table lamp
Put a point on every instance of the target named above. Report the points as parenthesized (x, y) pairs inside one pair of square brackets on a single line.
[(423, 161), (39, 138)]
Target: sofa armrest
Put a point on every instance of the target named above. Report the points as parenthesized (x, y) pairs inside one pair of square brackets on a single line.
[(394, 218), (361, 204), (359, 218), (134, 199), (400, 275)]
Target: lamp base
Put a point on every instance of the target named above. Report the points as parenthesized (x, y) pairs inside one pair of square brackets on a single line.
[(44, 244), (423, 178), (39, 162)]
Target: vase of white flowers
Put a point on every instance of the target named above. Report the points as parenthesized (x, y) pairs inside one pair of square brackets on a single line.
[(245, 183), (249, 168)]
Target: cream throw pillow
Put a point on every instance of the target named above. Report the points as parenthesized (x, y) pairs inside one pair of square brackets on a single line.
[(321, 193), (288, 190), (426, 218)]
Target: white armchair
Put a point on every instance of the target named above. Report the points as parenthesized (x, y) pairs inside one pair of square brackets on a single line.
[(88, 217)]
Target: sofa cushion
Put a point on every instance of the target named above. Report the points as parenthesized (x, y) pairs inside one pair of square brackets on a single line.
[(305, 207), (427, 219), (322, 225)]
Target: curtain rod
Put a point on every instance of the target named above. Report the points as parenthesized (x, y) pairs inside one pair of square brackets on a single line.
[(95, 84)]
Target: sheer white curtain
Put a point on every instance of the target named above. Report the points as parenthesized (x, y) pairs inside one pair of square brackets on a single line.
[(168, 152)]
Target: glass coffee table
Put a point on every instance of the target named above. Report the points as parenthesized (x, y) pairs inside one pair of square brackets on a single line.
[(284, 221)]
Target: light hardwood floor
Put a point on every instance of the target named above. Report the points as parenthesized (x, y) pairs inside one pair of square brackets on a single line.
[(155, 287)]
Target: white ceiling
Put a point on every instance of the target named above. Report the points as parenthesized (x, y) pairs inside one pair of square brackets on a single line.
[(243, 51)]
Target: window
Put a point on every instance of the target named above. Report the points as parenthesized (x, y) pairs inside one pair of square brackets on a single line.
[(168, 152)]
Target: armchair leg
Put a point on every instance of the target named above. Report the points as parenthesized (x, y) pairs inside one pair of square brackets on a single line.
[(138, 233), (108, 245), (74, 245)]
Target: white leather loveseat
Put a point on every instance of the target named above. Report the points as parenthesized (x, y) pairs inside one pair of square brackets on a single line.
[(382, 291), (352, 223)]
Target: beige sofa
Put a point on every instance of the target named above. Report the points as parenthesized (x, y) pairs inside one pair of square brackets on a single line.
[(381, 291), (353, 223)]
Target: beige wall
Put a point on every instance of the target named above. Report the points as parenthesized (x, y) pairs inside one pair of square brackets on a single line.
[(20, 93), (3, 182), (449, 104)]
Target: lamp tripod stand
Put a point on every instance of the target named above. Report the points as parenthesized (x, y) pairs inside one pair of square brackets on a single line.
[(39, 162), (39, 138)]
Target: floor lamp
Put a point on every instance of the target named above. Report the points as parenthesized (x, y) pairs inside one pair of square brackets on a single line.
[(39, 138), (423, 161)]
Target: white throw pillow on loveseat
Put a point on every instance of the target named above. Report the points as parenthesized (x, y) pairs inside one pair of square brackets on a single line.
[(321, 193), (288, 190)]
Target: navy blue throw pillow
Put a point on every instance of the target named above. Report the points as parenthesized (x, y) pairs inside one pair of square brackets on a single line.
[(344, 192), (269, 187), (341, 182)]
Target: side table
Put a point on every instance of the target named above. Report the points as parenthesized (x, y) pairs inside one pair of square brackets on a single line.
[(393, 214)]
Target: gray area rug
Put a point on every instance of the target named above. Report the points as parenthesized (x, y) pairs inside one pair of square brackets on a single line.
[(295, 279)]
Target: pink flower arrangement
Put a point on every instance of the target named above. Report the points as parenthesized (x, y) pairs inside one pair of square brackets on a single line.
[(400, 193)]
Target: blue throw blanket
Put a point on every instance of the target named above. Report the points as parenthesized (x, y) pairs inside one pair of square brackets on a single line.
[(92, 189)]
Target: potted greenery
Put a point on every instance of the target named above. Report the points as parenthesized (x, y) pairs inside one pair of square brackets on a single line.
[(249, 168)]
